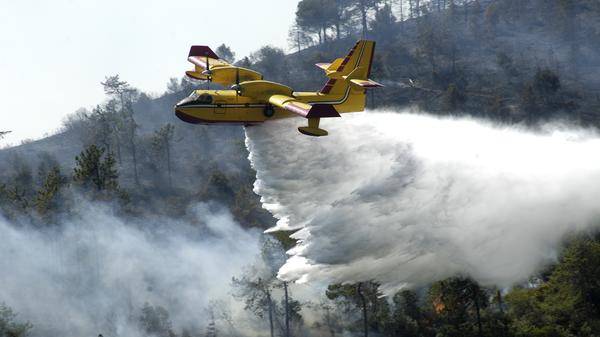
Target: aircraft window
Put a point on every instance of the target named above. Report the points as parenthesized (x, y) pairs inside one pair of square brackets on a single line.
[(204, 98), (194, 95)]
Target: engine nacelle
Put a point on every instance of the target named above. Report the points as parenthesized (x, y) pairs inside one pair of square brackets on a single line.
[(262, 89)]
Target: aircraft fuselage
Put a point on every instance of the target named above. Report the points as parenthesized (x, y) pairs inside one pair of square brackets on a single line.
[(227, 107)]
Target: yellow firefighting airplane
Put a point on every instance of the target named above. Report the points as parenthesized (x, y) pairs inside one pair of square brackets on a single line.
[(253, 100)]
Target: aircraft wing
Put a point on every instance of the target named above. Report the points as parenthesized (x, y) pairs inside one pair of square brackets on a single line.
[(209, 67), (302, 109)]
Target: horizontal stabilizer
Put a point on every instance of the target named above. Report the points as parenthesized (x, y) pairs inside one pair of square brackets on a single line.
[(202, 51), (323, 66), (330, 67), (366, 83)]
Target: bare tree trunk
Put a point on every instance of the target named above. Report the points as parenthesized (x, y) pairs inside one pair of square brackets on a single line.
[(134, 158), (270, 313), (364, 309), (118, 145), (402, 15), (97, 174), (363, 14), (478, 312), (287, 309), (298, 39), (329, 323), (169, 162), (499, 295)]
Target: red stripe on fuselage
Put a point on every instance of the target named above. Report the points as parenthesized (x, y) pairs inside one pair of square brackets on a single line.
[(328, 86)]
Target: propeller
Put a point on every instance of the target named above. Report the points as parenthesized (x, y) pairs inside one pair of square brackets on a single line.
[(238, 89), (207, 72)]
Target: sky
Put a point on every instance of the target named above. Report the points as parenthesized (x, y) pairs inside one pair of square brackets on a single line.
[(54, 54)]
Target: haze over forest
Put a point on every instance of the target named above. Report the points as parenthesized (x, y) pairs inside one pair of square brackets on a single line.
[(129, 222)]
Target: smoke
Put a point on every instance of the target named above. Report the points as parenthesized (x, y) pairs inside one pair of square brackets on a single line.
[(406, 199), (94, 274)]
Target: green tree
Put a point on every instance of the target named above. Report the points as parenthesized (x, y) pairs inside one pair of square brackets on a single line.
[(162, 141), (384, 23), (316, 16), (299, 38), (96, 170), (546, 84), (455, 301), (104, 125), (226, 53), (568, 303), (406, 316), (9, 326), (492, 18), (13, 201), (22, 176), (257, 296), (122, 91), (454, 99), (155, 321), (48, 198), (342, 16), (428, 42), (256, 286), (362, 8), (365, 297), (541, 96), (271, 62)]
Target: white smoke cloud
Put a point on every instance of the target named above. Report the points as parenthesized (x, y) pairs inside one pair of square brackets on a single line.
[(406, 199), (95, 273)]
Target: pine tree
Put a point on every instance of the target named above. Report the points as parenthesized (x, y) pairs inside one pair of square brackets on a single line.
[(95, 170), (161, 144), (47, 197), (364, 296), (121, 90), (9, 326), (226, 53), (453, 98)]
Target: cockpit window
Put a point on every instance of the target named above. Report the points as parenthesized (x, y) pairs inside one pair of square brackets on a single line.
[(204, 99), (199, 98), (193, 96)]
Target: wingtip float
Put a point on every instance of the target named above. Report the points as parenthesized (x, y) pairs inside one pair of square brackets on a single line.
[(252, 100)]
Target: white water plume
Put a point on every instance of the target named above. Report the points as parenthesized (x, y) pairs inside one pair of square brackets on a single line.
[(406, 199)]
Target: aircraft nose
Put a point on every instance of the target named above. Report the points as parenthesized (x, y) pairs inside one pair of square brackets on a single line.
[(184, 102)]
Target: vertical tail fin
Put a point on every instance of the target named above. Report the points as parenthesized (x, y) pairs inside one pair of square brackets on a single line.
[(355, 66)]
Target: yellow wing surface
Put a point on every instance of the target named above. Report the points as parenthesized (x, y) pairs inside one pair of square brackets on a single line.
[(208, 66), (281, 96)]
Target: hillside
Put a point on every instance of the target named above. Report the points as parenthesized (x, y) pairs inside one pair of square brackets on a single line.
[(512, 61)]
